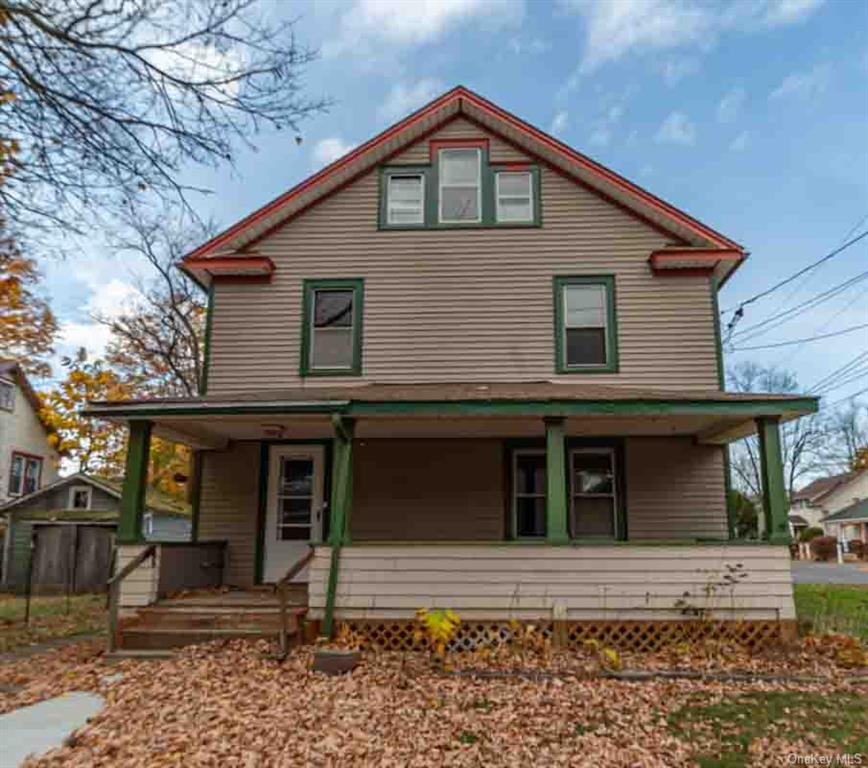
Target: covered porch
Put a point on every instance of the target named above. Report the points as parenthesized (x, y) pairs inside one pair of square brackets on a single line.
[(536, 502)]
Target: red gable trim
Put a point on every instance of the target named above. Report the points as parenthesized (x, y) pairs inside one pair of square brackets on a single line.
[(231, 267), (462, 93), (687, 262)]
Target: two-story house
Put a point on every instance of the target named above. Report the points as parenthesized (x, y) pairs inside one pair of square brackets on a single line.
[(472, 368)]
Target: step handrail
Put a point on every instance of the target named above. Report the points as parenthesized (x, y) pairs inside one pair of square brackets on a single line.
[(280, 587), (114, 591)]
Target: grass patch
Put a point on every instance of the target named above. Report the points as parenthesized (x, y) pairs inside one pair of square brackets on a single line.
[(833, 608), (49, 619), (468, 737), (725, 730)]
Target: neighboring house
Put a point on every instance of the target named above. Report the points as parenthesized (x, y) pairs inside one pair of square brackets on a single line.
[(825, 496), (849, 523), (462, 336), (79, 501), (27, 460)]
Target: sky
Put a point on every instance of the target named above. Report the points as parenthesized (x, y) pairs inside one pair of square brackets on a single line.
[(750, 115)]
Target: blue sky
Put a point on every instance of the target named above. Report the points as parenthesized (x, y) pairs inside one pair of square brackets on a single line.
[(750, 115)]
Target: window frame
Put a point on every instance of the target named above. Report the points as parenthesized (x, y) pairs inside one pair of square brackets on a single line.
[(614, 495), (75, 489), (309, 290), (387, 187), (480, 217), (25, 458), (560, 283), (530, 195), (4, 383), (515, 452)]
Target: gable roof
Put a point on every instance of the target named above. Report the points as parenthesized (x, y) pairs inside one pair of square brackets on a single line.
[(857, 512), (234, 243), (80, 478), (823, 486)]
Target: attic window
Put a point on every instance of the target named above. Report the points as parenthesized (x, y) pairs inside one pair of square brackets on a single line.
[(7, 395), (514, 194), (406, 199), (460, 190), (80, 497)]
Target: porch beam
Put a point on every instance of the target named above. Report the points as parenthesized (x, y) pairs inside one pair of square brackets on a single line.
[(132, 506), (556, 482), (772, 476)]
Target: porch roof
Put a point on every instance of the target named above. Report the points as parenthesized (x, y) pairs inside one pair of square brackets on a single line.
[(711, 416)]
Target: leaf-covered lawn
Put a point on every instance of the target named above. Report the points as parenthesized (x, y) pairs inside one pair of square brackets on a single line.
[(49, 619), (833, 607)]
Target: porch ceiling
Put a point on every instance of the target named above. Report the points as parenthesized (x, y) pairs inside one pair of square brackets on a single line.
[(455, 410)]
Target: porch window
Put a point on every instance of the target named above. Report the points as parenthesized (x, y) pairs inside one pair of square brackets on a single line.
[(592, 493), (514, 196), (460, 180), (24, 474), (295, 499), (332, 335), (405, 199), (586, 337), (529, 493)]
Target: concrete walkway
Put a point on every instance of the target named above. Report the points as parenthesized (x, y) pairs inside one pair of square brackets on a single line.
[(805, 572), (43, 726)]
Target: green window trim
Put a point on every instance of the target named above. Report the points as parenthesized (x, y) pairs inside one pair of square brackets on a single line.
[(310, 287), (608, 282), (431, 200)]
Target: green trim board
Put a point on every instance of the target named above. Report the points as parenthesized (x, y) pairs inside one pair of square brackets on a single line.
[(309, 289), (195, 493), (559, 283), (132, 506), (206, 358), (772, 474), (431, 183), (557, 526)]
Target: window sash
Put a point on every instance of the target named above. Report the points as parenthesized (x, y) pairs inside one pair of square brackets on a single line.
[(396, 206), (567, 325), (516, 494), (576, 493), (7, 395), (477, 184), (501, 197), (318, 332)]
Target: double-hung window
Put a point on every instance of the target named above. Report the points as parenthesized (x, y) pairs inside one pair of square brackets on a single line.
[(585, 333), (593, 506), (514, 196), (24, 474), (7, 395), (460, 182), (529, 493), (405, 199), (332, 328)]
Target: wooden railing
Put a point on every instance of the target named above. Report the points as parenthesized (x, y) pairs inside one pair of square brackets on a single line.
[(281, 587), (114, 591)]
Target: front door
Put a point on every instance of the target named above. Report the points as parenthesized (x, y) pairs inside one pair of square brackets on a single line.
[(294, 510)]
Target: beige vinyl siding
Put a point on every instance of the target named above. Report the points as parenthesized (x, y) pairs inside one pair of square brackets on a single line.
[(499, 151), (139, 588), (428, 490), (537, 582), (229, 505), (464, 304), (675, 489)]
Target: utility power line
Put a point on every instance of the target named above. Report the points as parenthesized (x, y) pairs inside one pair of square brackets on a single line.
[(839, 372), (803, 341)]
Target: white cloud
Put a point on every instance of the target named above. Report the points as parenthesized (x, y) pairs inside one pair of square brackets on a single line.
[(404, 99), (403, 23), (326, 151), (615, 29), (675, 70), (729, 107), (559, 123), (533, 47), (805, 85), (740, 142), (107, 300), (676, 129)]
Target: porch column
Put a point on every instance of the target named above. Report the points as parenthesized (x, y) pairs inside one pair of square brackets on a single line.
[(340, 505), (135, 482), (556, 483), (772, 476)]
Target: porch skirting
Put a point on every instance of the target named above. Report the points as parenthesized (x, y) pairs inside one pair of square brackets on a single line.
[(573, 583)]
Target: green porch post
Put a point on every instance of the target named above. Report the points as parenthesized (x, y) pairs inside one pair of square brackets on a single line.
[(339, 508), (772, 476), (556, 483), (135, 483)]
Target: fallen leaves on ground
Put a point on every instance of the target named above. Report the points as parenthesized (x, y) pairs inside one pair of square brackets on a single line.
[(228, 704), (49, 619)]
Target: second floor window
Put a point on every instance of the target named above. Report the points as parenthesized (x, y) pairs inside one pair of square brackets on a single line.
[(460, 181), (24, 474), (585, 333), (7, 395), (331, 344)]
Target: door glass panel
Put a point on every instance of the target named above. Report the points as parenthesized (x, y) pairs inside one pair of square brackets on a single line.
[(529, 488), (297, 477), (295, 511), (531, 470), (295, 499)]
